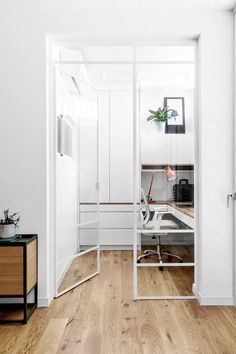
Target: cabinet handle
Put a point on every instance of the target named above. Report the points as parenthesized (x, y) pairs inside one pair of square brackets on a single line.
[(233, 196)]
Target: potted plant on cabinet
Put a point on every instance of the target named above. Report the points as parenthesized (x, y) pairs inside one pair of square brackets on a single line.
[(8, 224), (162, 115)]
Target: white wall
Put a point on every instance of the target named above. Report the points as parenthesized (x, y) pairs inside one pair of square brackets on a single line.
[(160, 148), (156, 146), (24, 26)]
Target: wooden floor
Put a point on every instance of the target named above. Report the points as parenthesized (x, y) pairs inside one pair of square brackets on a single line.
[(100, 317), (80, 268)]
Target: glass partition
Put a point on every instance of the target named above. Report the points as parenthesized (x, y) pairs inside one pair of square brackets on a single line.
[(164, 248), (158, 92), (77, 241)]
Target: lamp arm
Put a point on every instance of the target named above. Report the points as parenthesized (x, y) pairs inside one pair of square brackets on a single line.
[(150, 187)]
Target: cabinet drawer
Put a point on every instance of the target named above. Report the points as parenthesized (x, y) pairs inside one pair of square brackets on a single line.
[(106, 207), (11, 270), (108, 237), (110, 220)]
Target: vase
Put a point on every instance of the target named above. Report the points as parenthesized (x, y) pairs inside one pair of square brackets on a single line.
[(161, 127), (7, 231)]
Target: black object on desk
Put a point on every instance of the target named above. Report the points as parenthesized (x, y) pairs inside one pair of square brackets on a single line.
[(183, 191), (18, 277)]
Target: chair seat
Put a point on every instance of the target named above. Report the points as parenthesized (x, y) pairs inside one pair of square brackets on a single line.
[(169, 224), (165, 224)]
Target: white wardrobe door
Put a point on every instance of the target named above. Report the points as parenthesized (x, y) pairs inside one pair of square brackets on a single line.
[(121, 146), (104, 146)]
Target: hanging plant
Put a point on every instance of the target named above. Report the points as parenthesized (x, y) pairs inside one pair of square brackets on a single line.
[(162, 115)]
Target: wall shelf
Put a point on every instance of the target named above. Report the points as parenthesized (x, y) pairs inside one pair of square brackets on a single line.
[(161, 168)]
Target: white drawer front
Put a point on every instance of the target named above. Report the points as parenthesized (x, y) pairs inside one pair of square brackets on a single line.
[(109, 237), (116, 220), (106, 207), (88, 237)]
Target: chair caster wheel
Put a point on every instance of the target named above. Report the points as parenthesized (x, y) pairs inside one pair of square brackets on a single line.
[(161, 269), (138, 260), (181, 261)]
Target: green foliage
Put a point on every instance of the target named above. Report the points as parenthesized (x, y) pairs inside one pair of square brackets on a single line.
[(162, 115)]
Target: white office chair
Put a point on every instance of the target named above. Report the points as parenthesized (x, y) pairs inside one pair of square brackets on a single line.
[(156, 223)]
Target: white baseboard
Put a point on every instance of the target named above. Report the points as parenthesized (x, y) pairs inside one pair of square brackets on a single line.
[(116, 248), (212, 300), (196, 293), (44, 301)]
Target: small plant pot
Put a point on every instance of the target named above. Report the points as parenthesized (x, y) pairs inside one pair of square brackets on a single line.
[(7, 231), (161, 126)]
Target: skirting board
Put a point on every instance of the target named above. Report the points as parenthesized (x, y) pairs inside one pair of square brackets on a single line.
[(116, 248), (130, 247), (44, 301), (212, 300)]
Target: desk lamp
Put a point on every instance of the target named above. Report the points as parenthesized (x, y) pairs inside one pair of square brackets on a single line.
[(170, 176)]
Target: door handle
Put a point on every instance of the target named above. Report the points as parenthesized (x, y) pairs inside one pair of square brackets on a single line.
[(233, 196)]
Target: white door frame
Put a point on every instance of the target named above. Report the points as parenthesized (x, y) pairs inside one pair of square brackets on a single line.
[(51, 138), (234, 162)]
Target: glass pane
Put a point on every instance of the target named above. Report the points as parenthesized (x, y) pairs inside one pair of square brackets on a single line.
[(171, 281), (88, 167), (167, 115), (76, 177), (110, 76), (174, 248), (165, 53), (114, 88), (93, 53), (78, 269), (88, 236)]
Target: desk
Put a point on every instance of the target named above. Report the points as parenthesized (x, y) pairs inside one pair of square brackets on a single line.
[(184, 214)]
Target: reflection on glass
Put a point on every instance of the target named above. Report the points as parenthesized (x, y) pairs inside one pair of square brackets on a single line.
[(167, 177), (98, 53), (172, 281), (88, 236), (165, 249), (88, 152), (79, 269), (76, 175), (165, 53)]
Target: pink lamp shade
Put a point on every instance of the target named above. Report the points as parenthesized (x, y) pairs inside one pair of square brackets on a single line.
[(170, 174)]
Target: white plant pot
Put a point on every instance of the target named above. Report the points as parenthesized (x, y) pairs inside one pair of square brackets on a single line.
[(7, 231), (161, 127)]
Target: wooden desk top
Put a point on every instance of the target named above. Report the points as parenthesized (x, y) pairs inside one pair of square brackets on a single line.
[(180, 206)]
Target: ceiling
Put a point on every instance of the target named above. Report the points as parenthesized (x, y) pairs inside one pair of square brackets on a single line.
[(141, 5)]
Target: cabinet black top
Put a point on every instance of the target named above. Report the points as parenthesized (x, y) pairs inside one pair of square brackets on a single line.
[(20, 240)]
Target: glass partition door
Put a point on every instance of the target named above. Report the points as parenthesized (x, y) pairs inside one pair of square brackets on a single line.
[(164, 242), (77, 228)]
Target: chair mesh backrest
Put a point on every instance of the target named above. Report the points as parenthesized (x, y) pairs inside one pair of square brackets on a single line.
[(144, 205)]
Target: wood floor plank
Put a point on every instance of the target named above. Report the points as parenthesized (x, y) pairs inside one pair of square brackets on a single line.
[(130, 340), (52, 336), (101, 317)]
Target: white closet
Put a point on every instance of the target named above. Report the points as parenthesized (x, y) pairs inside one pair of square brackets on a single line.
[(115, 111)]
